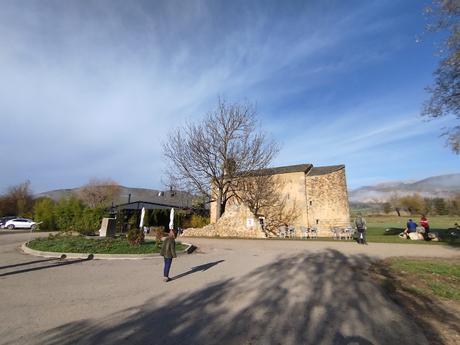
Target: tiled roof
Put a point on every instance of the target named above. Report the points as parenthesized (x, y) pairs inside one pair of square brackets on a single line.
[(324, 170), (282, 170)]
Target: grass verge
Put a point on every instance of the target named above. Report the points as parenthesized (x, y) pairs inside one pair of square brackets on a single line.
[(431, 277), (81, 244), (428, 290)]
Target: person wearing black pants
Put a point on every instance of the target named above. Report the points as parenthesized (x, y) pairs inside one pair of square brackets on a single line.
[(360, 224), (168, 251)]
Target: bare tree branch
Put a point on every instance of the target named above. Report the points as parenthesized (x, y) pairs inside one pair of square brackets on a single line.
[(218, 149), (99, 192)]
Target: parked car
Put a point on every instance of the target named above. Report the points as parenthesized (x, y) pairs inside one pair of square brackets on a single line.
[(3, 220), (21, 223)]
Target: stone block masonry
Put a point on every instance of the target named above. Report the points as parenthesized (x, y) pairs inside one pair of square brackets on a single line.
[(237, 221), (319, 194)]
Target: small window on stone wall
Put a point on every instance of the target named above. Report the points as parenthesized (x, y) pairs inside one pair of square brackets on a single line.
[(317, 221), (311, 202)]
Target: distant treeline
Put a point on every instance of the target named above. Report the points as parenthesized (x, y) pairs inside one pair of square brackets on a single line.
[(412, 204), (84, 211)]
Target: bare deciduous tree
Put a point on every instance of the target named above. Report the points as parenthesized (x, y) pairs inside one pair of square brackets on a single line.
[(257, 192), (18, 200), (216, 150), (99, 192), (280, 214), (445, 92), (261, 192)]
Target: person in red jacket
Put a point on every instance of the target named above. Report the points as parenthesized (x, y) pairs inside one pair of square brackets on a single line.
[(426, 226)]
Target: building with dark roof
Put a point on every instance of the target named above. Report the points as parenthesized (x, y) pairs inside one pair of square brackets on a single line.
[(318, 194)]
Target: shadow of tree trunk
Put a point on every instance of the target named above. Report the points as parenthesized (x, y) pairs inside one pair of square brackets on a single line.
[(311, 298)]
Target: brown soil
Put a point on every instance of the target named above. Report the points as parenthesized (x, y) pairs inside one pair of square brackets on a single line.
[(439, 319)]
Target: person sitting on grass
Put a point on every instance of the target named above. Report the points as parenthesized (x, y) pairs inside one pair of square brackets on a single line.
[(411, 226), (426, 226)]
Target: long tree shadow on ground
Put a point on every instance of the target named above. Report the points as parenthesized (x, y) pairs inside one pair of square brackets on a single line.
[(312, 298), (53, 263)]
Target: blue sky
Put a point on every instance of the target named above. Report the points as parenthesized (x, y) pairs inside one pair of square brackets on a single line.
[(91, 89)]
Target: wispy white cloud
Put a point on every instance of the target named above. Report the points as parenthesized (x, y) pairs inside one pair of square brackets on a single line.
[(96, 87)]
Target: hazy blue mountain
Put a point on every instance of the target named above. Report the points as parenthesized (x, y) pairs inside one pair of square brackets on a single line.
[(436, 186)]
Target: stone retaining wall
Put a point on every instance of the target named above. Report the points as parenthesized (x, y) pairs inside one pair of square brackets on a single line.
[(237, 221)]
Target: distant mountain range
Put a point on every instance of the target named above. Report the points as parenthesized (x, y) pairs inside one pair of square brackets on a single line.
[(174, 198), (436, 186)]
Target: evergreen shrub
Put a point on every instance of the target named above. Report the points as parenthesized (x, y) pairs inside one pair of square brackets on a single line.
[(135, 237)]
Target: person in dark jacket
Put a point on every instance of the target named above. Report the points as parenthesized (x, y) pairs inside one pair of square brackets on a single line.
[(168, 251), (361, 226)]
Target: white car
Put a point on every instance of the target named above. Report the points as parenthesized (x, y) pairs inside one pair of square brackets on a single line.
[(21, 223)]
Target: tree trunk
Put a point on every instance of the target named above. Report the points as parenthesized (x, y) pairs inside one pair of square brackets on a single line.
[(219, 203)]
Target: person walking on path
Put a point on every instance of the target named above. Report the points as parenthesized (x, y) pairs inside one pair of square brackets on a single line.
[(361, 227), (168, 251), (168, 248)]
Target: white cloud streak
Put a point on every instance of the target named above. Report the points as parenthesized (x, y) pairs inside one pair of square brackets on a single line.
[(95, 87)]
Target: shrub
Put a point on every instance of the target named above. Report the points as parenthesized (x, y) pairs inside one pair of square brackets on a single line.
[(159, 217), (89, 221), (67, 212), (197, 221), (180, 217), (121, 220), (146, 218), (135, 237), (159, 232), (44, 213), (132, 222), (71, 215)]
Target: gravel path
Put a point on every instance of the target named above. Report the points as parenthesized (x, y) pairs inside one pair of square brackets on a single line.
[(228, 292)]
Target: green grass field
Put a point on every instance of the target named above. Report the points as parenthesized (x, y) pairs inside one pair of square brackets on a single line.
[(80, 244), (440, 224), (436, 222), (436, 276)]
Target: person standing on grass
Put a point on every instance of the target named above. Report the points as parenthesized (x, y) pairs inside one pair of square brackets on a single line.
[(168, 249), (360, 224)]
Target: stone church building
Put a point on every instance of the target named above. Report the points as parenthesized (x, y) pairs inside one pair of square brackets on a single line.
[(318, 193)]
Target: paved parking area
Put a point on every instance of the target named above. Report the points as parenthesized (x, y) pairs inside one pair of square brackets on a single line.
[(228, 292)]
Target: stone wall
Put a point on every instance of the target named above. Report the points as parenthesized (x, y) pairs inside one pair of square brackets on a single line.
[(327, 201), (237, 221), (320, 198), (293, 190)]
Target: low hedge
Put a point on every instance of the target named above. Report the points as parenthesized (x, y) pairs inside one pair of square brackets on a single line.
[(106, 245)]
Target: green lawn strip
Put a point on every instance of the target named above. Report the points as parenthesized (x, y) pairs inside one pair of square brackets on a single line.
[(436, 222), (440, 277), (80, 244), (377, 234)]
